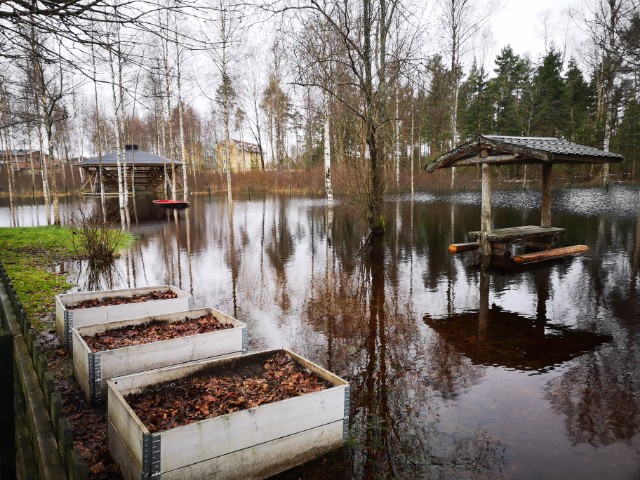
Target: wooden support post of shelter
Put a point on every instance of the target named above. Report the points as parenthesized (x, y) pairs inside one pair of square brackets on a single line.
[(493, 150), (486, 221), (545, 208)]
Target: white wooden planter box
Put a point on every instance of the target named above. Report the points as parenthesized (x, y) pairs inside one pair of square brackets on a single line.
[(92, 369), (77, 317), (248, 444)]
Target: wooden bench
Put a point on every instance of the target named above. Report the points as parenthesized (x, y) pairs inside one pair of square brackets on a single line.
[(463, 247), (549, 254)]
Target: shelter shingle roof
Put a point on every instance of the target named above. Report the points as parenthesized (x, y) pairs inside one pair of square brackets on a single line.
[(504, 150), (137, 157)]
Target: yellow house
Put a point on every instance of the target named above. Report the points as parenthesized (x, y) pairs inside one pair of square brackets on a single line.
[(243, 156)]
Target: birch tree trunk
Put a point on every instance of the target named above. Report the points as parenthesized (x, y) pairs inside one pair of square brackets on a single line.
[(167, 80), (183, 155), (327, 153), (226, 90), (119, 149), (98, 127)]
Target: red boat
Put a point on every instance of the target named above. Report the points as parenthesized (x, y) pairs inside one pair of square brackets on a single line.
[(171, 203)]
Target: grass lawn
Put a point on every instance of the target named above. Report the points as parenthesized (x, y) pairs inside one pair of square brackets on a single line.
[(29, 255)]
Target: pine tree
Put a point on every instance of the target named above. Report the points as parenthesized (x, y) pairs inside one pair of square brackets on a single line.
[(508, 89), (550, 98), (581, 98), (474, 110), (438, 105)]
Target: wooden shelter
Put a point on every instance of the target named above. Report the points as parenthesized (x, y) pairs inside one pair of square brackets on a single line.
[(148, 171), (492, 150)]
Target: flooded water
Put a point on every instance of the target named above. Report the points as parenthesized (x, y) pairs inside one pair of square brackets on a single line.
[(455, 373)]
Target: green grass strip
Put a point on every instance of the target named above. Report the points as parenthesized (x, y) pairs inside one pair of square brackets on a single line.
[(30, 255)]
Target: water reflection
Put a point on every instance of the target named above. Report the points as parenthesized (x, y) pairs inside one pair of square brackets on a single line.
[(97, 275), (494, 336), (455, 372)]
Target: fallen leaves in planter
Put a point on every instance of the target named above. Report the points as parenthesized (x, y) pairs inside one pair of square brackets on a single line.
[(153, 331), (108, 301), (208, 395)]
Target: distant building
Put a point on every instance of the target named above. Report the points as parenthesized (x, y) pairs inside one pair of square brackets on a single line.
[(243, 156), (21, 159)]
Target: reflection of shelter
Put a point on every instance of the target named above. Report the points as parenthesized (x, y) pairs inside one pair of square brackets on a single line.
[(512, 340), (493, 336), (148, 170), (492, 150)]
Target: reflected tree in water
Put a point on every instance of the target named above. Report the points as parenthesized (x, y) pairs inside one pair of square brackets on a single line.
[(597, 397), (279, 248), (371, 338)]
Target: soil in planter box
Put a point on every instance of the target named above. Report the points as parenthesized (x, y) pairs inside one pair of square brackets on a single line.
[(209, 394), (153, 331), (108, 301)]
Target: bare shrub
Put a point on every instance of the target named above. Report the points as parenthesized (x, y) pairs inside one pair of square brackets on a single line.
[(96, 239)]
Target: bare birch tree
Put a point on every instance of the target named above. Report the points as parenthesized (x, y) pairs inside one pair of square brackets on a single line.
[(605, 22), (368, 46), (461, 20)]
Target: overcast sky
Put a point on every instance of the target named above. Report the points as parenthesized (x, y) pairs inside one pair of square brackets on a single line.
[(520, 24)]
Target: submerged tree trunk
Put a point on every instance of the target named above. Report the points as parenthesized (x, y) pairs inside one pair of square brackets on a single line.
[(376, 194), (327, 153)]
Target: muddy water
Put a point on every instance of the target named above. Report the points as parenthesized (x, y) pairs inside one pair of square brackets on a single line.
[(455, 373)]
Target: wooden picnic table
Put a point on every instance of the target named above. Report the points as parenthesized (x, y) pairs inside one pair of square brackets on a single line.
[(519, 234), (501, 240)]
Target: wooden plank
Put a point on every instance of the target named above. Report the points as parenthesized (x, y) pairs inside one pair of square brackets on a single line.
[(154, 355), (463, 247), (43, 440), (545, 208), (136, 382), (549, 254), (130, 429), (7, 413), (317, 369), (254, 436), (505, 159), (81, 363), (266, 460), (486, 221), (244, 429), (110, 313), (123, 457), (138, 358)]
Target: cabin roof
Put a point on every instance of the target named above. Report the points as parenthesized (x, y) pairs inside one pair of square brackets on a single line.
[(132, 157), (504, 150)]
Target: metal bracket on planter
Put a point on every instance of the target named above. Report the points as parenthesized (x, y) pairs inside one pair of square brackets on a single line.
[(245, 340), (68, 325), (150, 456), (95, 377), (347, 406)]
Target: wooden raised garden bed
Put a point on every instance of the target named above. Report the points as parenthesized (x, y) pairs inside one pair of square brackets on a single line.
[(120, 348), (181, 438), (89, 308)]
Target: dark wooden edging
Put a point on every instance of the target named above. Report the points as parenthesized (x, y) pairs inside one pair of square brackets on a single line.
[(45, 441)]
